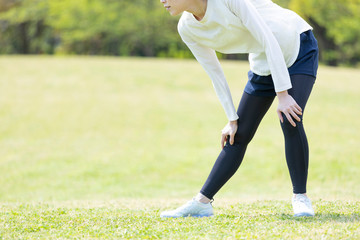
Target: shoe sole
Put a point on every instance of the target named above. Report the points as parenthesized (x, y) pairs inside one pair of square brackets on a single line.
[(197, 216), (303, 215)]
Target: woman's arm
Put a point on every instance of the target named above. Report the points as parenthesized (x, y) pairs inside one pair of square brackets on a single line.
[(209, 61)]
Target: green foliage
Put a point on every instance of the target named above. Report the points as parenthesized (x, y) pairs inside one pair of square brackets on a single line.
[(282, 3), (23, 29), (111, 27), (141, 28), (144, 28), (337, 26)]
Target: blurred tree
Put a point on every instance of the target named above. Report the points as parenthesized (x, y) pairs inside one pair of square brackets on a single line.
[(144, 28), (337, 27), (282, 3), (7, 4), (23, 29), (109, 27)]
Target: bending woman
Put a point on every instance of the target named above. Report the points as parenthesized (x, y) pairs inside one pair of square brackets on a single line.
[(283, 56)]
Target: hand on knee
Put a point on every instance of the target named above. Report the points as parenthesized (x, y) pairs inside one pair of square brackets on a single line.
[(288, 108), (229, 132)]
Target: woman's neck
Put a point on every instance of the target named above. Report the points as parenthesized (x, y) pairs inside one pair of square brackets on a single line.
[(198, 9)]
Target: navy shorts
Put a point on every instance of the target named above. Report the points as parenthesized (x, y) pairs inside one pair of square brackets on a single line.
[(306, 63)]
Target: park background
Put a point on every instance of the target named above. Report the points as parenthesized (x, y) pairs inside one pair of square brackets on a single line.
[(106, 120), (143, 28)]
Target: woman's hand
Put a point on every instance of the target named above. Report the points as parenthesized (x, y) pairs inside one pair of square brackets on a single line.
[(289, 107), (229, 130)]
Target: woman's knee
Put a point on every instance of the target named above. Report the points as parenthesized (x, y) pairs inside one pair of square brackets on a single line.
[(288, 128), (243, 135)]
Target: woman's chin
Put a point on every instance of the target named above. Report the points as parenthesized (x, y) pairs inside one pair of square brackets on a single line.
[(174, 13)]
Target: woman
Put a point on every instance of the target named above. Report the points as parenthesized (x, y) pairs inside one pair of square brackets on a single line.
[(283, 56)]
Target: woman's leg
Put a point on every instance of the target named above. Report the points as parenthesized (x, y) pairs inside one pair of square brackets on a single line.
[(251, 110), (296, 145)]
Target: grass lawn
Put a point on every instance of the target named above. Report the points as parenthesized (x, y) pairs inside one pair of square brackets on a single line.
[(140, 219), (97, 146)]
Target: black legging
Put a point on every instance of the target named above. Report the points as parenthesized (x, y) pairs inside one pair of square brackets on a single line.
[(251, 111)]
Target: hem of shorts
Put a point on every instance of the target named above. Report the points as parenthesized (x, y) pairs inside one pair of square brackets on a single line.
[(302, 73), (261, 94)]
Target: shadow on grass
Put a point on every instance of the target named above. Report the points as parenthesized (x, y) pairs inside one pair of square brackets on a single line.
[(319, 217), (322, 217)]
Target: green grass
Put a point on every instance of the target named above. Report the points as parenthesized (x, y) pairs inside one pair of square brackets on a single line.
[(140, 219), (96, 147)]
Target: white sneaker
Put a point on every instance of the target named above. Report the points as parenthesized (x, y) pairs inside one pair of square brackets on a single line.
[(192, 208), (302, 206)]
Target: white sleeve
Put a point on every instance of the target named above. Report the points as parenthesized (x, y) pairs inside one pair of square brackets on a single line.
[(252, 20), (209, 61)]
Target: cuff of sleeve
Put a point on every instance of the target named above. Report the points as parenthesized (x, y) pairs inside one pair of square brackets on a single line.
[(283, 88), (233, 117)]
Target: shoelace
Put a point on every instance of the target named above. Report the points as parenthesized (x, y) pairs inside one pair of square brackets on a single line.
[(299, 201), (185, 207)]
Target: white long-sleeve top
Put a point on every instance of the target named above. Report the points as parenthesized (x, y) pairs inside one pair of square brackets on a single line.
[(259, 27)]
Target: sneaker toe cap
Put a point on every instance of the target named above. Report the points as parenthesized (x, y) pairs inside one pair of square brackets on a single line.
[(169, 214), (304, 214)]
